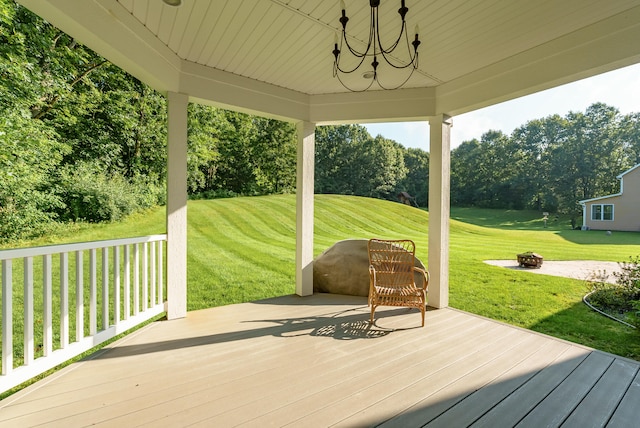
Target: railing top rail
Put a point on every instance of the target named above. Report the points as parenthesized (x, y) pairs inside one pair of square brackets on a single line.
[(77, 246)]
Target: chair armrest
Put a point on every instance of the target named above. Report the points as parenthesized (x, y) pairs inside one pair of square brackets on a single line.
[(425, 273), (372, 274)]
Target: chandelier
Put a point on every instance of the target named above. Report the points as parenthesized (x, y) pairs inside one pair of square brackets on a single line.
[(375, 50)]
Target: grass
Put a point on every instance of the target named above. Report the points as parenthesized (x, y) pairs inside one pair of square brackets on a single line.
[(509, 219), (243, 249)]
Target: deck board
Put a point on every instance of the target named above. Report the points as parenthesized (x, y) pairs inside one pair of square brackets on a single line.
[(522, 400), (381, 396), (482, 400), (316, 361), (601, 401), (560, 403), (628, 413), (436, 388), (461, 407)]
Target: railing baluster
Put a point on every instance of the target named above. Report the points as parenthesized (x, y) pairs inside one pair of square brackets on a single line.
[(105, 288), (116, 285), (64, 300), (47, 306), (161, 273), (152, 258), (127, 281), (136, 279), (93, 292), (28, 311), (145, 276), (79, 296), (7, 317)]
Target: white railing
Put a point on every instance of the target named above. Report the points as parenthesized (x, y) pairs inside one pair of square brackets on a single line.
[(118, 286)]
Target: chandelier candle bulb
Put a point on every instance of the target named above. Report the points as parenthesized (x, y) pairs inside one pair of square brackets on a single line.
[(336, 51)]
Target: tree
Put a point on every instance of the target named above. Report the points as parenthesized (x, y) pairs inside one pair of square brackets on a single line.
[(274, 151), (463, 162), (235, 170), (533, 142), (350, 162), (29, 150), (205, 127), (588, 159), (115, 122), (380, 167), (630, 137), (336, 157), (481, 174), (416, 182)]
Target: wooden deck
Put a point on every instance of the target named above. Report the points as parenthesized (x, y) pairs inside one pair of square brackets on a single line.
[(315, 361)]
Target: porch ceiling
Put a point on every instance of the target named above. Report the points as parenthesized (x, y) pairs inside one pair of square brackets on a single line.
[(274, 57)]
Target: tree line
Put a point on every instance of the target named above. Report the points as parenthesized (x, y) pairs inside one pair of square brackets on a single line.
[(349, 161), (80, 139), (547, 164)]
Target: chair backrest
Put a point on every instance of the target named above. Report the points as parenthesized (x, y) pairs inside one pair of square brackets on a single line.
[(393, 261)]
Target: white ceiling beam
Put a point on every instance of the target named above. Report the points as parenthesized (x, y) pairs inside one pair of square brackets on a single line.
[(221, 89), (598, 48), (373, 106)]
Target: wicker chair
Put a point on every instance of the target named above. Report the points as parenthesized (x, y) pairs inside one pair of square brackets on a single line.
[(392, 273)]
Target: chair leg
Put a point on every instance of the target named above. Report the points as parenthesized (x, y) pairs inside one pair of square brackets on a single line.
[(373, 309), (422, 311)]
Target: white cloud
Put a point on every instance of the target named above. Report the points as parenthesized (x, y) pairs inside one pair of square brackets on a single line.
[(468, 126)]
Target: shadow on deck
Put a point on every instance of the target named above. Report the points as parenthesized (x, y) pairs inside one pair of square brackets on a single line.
[(269, 363)]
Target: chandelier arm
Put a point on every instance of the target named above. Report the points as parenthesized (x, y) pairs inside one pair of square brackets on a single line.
[(355, 90), (394, 45), (413, 63), (337, 67), (353, 51), (400, 85), (412, 57), (371, 39)]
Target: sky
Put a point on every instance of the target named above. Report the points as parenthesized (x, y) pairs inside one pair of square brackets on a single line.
[(619, 88)]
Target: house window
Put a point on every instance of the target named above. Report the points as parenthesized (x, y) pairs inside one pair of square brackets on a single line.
[(602, 212)]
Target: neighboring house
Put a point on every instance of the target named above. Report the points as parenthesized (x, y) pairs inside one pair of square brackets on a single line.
[(618, 211)]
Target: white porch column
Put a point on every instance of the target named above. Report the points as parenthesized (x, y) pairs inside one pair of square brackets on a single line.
[(177, 206), (439, 198), (304, 208)]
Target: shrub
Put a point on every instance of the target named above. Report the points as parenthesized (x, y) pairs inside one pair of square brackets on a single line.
[(22, 221), (622, 297), (611, 298), (91, 195), (214, 194), (29, 153), (634, 315), (629, 277)]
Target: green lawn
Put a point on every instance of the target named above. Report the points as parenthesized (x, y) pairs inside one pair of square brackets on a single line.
[(243, 249)]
